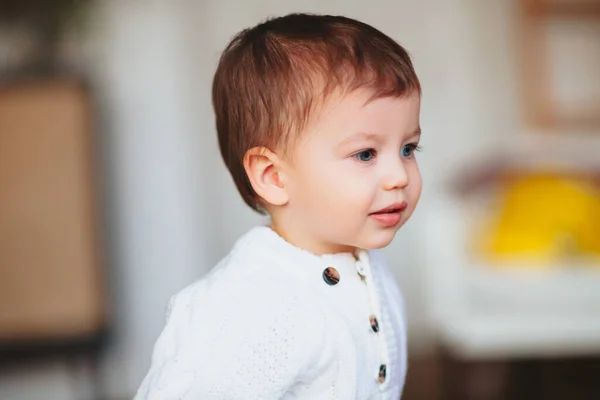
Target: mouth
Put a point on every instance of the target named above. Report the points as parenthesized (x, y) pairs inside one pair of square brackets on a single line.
[(394, 208), (389, 216)]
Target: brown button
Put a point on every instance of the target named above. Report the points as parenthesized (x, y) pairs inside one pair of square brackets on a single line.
[(331, 276), (382, 374), (374, 323)]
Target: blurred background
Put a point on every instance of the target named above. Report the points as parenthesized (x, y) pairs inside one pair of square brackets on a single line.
[(113, 195)]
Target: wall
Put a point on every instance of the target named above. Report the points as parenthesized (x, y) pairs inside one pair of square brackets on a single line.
[(156, 191)]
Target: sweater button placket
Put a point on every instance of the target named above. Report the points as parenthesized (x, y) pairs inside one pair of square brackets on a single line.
[(382, 374)]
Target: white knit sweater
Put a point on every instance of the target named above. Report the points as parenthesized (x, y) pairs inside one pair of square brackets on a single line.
[(264, 324)]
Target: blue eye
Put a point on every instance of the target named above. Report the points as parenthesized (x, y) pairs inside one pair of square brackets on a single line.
[(365, 155), (408, 150)]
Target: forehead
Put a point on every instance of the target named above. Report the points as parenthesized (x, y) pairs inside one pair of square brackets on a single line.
[(357, 112)]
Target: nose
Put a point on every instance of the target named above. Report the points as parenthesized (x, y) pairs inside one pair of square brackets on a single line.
[(396, 177)]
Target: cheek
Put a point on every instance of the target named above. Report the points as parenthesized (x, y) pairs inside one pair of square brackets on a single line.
[(337, 187), (415, 184), (355, 182), (311, 185)]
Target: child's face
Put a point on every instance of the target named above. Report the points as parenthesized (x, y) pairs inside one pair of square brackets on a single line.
[(354, 160)]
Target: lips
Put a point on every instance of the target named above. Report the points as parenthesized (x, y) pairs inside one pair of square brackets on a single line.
[(391, 215), (396, 207)]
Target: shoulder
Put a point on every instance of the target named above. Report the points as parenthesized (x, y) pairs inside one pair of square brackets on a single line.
[(251, 328), (243, 297), (239, 282), (258, 271), (240, 332)]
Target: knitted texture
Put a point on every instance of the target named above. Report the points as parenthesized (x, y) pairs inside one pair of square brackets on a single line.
[(264, 324)]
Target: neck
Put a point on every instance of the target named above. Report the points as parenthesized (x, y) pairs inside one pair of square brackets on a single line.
[(306, 241)]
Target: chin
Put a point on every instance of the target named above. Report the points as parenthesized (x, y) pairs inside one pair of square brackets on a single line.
[(380, 240)]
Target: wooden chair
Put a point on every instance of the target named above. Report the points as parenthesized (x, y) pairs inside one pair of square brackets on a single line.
[(51, 283)]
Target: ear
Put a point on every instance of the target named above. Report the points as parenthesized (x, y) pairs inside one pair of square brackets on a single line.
[(264, 170)]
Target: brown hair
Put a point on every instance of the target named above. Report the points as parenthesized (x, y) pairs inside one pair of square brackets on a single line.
[(270, 77)]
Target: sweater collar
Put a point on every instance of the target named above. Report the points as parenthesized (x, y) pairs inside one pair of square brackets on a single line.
[(266, 241)]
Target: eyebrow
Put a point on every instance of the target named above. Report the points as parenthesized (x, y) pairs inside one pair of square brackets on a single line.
[(416, 132), (359, 137)]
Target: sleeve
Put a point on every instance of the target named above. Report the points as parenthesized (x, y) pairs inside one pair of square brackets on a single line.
[(239, 342)]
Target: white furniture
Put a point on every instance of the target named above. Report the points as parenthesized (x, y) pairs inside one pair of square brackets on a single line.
[(481, 311)]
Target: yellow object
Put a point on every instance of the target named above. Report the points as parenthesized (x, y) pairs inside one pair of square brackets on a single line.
[(546, 217)]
